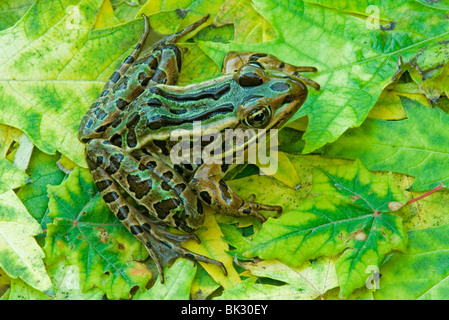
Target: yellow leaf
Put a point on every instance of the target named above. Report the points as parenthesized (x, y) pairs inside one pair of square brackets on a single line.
[(213, 246), (389, 105), (284, 170), (249, 25), (106, 17)]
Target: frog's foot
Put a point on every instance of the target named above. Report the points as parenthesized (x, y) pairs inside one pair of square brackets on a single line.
[(251, 208), (163, 245)]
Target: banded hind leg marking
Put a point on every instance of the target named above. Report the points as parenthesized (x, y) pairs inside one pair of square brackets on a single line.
[(161, 244), (129, 60), (98, 118)]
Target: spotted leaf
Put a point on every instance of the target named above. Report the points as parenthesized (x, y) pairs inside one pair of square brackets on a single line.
[(350, 213)]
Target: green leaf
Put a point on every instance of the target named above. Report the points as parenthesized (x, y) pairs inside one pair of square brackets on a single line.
[(178, 280), (247, 290), (20, 255), (12, 11), (203, 285), (422, 272), (351, 215), (65, 282), (314, 278), (12, 176), (430, 70), (249, 25), (417, 146), (43, 171), (90, 237), (47, 84), (355, 61)]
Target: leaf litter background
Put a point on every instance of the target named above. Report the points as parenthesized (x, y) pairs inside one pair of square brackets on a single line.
[(374, 137)]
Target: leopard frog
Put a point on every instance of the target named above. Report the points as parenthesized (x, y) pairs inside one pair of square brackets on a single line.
[(127, 135)]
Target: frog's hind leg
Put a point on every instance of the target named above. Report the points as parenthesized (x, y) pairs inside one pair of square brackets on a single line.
[(95, 120), (104, 161), (129, 60)]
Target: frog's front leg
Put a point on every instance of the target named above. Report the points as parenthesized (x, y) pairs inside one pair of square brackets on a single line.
[(235, 60), (211, 188), (112, 168)]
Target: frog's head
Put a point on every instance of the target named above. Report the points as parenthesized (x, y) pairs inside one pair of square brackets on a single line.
[(271, 97)]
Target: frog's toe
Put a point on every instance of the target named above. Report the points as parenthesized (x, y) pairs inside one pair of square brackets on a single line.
[(164, 246), (251, 208)]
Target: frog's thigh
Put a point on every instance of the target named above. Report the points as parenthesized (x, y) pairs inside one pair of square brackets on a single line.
[(146, 187), (104, 161)]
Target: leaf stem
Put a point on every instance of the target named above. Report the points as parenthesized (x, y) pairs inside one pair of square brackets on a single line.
[(428, 193)]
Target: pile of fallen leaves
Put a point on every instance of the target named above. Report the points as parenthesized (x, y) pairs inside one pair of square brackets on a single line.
[(350, 162)]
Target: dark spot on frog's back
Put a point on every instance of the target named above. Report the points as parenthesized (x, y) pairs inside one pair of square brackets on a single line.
[(206, 197), (121, 104), (110, 197), (135, 229), (180, 187), (167, 176), (164, 207), (122, 213), (224, 190), (143, 79), (129, 59), (114, 163), (140, 187), (224, 167), (160, 76), (116, 140), (162, 145), (103, 185), (154, 102), (250, 79), (131, 138)]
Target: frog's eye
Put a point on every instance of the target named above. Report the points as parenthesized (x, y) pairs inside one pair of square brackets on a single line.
[(259, 117), (250, 79)]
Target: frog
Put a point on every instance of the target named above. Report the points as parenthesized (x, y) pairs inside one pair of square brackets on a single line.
[(127, 135)]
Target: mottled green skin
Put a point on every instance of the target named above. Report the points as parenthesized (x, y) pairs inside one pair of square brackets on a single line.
[(127, 134)]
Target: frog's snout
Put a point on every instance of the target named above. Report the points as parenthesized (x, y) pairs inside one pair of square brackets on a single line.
[(298, 92)]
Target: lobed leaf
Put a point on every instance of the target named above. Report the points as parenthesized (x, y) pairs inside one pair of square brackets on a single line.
[(356, 60), (86, 234), (351, 215), (407, 146), (20, 255), (421, 273), (178, 280)]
